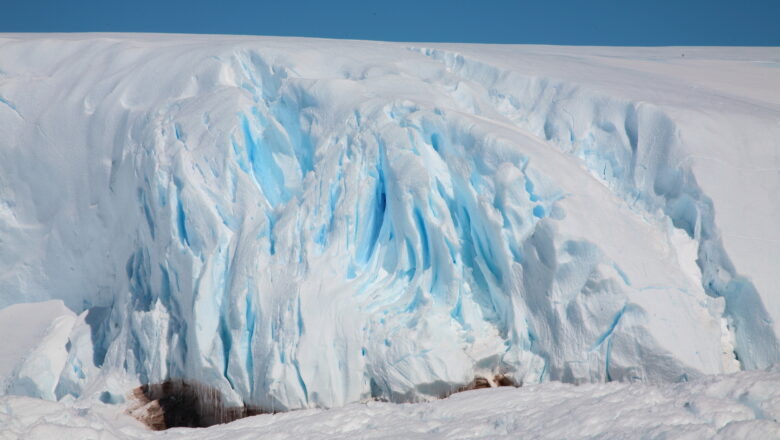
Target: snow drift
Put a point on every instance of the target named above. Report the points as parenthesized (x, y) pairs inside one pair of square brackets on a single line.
[(304, 223), (743, 405)]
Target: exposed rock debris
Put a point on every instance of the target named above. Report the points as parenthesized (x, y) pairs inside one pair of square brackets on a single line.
[(176, 403)]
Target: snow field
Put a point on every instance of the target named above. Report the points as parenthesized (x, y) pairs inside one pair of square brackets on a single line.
[(741, 405)]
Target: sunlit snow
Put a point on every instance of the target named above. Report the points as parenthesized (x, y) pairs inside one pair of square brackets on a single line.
[(301, 223)]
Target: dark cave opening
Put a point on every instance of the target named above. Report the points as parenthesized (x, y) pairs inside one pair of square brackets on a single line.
[(177, 403)]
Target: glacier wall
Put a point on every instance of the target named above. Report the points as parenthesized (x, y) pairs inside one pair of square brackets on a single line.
[(304, 223), (644, 167)]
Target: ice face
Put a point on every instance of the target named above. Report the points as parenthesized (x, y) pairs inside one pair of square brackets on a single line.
[(302, 224)]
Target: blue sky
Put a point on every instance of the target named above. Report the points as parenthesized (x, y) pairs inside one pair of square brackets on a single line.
[(577, 22)]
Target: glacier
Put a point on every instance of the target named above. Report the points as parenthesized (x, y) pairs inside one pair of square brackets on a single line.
[(305, 223)]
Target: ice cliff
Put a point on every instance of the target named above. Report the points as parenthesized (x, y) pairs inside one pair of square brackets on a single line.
[(302, 223)]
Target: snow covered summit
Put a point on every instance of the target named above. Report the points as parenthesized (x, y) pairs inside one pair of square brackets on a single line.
[(308, 223)]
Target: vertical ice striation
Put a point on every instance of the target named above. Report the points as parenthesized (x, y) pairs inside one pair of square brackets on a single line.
[(302, 224), (634, 148)]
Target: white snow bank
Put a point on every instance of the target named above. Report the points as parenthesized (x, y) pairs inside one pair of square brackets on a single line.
[(744, 405), (33, 349)]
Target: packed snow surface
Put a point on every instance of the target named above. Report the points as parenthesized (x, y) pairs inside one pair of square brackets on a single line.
[(305, 223), (744, 405)]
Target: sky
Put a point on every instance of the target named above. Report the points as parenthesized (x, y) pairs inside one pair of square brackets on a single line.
[(570, 22)]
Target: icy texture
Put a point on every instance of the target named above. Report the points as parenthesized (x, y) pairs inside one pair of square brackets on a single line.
[(744, 405), (305, 223), (34, 347)]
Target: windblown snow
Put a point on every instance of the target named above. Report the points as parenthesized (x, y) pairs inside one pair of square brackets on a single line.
[(304, 223)]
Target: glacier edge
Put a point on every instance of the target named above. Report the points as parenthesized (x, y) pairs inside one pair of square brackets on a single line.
[(317, 225)]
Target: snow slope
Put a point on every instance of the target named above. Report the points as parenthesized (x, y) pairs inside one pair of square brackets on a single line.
[(309, 223), (745, 405)]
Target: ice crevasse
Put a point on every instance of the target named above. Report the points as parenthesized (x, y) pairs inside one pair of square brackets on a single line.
[(307, 223)]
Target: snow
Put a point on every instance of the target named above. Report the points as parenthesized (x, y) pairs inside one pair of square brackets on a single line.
[(304, 223), (741, 405), (34, 349)]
